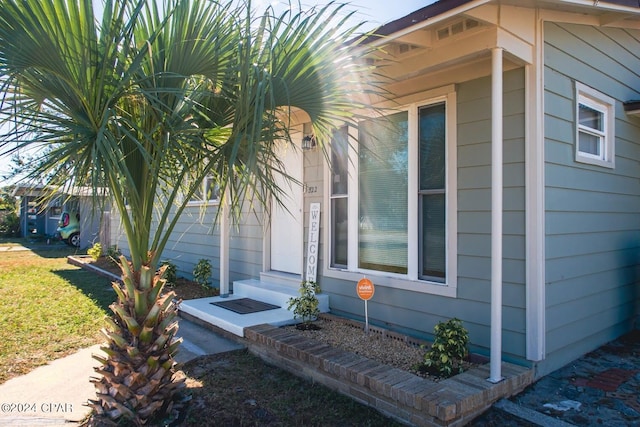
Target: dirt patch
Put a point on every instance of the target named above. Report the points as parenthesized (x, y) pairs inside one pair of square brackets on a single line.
[(238, 389)]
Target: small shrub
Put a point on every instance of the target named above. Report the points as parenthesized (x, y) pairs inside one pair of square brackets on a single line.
[(448, 349), (114, 254), (202, 273), (306, 305), (9, 224), (95, 251), (170, 274)]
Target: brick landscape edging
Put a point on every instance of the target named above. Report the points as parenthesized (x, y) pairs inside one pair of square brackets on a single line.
[(392, 391)]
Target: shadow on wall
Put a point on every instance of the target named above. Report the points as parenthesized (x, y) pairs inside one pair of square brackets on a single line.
[(629, 280)]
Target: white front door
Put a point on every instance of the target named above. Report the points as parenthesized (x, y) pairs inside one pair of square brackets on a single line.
[(287, 220)]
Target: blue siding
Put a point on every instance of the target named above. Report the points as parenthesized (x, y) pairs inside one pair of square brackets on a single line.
[(592, 221), (196, 237), (417, 313)]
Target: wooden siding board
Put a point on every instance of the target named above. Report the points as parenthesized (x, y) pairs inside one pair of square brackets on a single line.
[(406, 311), (474, 110), (476, 267), (580, 201), (596, 180), (473, 133), (564, 223), (588, 242), (558, 84), (474, 155), (475, 177), (591, 75), (559, 107), (474, 289), (478, 222), (603, 282), (480, 245), (591, 220), (561, 269), (474, 200), (601, 324), (592, 49)]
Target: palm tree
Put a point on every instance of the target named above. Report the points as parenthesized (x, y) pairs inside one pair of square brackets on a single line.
[(146, 103)]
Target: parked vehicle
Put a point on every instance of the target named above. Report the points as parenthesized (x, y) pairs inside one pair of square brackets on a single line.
[(69, 228)]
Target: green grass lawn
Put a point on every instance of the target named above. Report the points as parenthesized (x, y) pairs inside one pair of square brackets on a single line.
[(48, 308)]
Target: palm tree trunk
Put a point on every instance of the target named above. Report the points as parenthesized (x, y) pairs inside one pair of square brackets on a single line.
[(136, 379)]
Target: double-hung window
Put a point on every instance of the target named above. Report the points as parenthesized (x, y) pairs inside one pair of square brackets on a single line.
[(595, 122), (397, 220), (432, 191)]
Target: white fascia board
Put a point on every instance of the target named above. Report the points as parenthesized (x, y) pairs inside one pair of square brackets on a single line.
[(429, 22)]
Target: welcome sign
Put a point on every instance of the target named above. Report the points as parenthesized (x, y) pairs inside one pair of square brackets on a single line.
[(313, 241)]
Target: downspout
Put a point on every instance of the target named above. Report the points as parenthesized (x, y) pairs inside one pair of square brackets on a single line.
[(224, 246), (496, 215)]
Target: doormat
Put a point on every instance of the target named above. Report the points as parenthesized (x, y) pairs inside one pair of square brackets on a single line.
[(245, 305)]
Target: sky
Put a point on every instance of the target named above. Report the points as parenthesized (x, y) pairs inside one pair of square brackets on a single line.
[(374, 12)]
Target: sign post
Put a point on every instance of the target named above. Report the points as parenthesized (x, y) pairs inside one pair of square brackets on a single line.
[(365, 291)]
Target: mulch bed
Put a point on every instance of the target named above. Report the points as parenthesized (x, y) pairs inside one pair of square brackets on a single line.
[(398, 353), (184, 288)]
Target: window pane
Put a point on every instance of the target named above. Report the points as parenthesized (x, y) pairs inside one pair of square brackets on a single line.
[(590, 117), (589, 143), (432, 147), (207, 191), (339, 232), (339, 161), (211, 189), (197, 195), (383, 175), (433, 257), (432, 134)]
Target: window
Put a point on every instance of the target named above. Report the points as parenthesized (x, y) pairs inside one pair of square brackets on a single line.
[(395, 226), (383, 191), (339, 197), (432, 191), (595, 117), (55, 208), (208, 192)]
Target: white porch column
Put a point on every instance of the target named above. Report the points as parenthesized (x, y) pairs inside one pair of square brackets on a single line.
[(496, 215), (224, 246)]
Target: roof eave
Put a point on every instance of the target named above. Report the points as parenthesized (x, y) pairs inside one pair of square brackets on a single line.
[(444, 9)]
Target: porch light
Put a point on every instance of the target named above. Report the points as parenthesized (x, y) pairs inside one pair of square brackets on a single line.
[(309, 142)]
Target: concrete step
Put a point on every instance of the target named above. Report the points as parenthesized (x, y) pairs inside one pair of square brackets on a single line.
[(235, 323), (199, 341), (280, 278), (273, 293)]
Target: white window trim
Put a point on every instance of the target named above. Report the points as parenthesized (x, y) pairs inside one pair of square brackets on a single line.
[(590, 97), (210, 202), (409, 281)]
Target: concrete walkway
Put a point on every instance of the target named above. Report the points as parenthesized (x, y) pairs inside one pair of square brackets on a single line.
[(598, 389), (54, 394), (13, 248)]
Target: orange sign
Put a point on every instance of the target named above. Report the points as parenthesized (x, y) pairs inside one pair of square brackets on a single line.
[(365, 289)]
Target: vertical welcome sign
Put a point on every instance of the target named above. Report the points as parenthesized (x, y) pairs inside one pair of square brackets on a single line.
[(313, 241)]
